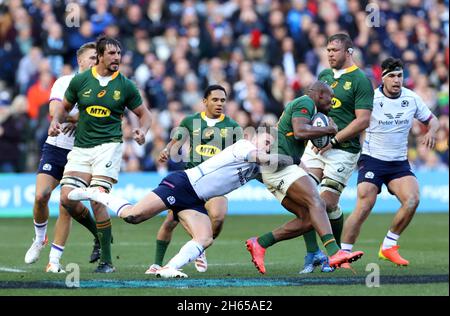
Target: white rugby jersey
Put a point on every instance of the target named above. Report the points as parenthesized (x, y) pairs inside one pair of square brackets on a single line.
[(224, 172), (57, 93), (387, 135)]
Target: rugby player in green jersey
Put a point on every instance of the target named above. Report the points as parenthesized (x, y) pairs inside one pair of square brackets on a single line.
[(102, 94), (293, 187), (208, 133), (333, 165)]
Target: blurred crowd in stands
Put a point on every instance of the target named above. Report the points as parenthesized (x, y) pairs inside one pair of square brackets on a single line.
[(265, 53)]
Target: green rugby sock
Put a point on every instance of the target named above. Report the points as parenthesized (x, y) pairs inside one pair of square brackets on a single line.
[(161, 248), (266, 240), (330, 244), (104, 230), (337, 225), (87, 221), (311, 241)]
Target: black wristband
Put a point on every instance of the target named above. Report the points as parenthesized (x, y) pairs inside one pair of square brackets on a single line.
[(296, 160), (334, 142)]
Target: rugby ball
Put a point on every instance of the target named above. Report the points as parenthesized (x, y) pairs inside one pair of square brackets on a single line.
[(321, 120)]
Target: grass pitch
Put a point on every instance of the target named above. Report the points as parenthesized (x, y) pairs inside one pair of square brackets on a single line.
[(230, 271)]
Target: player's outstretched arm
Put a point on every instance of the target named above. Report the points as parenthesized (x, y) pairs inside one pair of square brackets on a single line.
[(59, 111), (271, 162)]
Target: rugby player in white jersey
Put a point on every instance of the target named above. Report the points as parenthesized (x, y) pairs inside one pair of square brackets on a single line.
[(186, 192), (384, 158), (50, 171)]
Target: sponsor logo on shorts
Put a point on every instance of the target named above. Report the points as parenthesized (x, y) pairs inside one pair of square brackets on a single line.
[(341, 169), (47, 167), (108, 164), (369, 175), (98, 111), (171, 200)]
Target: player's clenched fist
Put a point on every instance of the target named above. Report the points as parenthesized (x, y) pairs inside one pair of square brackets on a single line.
[(139, 136)]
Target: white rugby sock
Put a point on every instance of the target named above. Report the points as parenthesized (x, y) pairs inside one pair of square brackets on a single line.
[(40, 229), (390, 240), (116, 204), (56, 253), (346, 247), (190, 251)]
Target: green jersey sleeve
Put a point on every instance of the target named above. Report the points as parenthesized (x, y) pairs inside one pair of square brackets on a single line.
[(364, 95), (134, 97), (71, 93), (303, 108), (181, 131)]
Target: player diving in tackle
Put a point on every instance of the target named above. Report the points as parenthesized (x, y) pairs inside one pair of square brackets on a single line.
[(208, 133)]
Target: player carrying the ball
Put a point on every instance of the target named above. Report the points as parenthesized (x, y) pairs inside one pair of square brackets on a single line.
[(292, 186)]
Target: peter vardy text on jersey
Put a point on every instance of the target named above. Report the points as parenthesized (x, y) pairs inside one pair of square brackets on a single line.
[(396, 122)]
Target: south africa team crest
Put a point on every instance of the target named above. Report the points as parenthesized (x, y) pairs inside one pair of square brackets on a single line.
[(116, 95), (223, 132), (347, 85)]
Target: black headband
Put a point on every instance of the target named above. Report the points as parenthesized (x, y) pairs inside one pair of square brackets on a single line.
[(391, 69)]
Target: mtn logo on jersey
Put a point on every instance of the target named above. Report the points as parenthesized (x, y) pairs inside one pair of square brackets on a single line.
[(335, 103), (98, 111), (207, 150)]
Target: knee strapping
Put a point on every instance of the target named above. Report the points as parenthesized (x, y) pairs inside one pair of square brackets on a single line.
[(334, 213), (100, 182), (73, 182), (331, 185)]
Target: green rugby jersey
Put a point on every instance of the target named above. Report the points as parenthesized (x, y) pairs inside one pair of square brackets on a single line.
[(287, 143), (206, 141), (352, 91), (101, 107)]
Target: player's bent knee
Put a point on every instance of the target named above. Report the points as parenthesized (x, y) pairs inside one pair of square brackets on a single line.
[(412, 202), (205, 241), (42, 198)]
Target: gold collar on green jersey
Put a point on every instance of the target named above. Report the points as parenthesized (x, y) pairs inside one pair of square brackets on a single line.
[(204, 117), (340, 72), (97, 76)]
